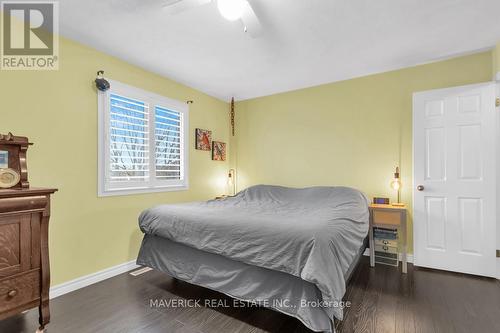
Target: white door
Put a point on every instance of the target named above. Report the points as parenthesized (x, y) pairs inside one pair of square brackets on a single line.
[(454, 174)]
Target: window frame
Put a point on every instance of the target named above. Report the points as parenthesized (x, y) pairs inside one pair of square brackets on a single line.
[(153, 185)]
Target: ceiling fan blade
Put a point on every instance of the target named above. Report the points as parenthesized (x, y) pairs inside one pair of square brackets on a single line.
[(173, 7), (251, 22)]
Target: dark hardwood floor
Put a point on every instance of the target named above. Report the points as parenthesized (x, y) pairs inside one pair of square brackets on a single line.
[(382, 300)]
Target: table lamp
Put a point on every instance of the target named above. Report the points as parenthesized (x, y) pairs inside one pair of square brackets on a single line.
[(396, 185)]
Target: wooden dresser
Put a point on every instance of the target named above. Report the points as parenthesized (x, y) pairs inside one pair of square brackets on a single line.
[(24, 252)]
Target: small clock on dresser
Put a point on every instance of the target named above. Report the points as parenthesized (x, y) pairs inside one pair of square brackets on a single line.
[(13, 169)]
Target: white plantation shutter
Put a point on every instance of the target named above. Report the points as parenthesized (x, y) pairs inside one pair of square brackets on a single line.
[(128, 140), (142, 140), (168, 144)]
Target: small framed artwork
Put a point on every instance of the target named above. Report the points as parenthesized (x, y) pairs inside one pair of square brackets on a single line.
[(4, 159), (218, 151), (203, 139)]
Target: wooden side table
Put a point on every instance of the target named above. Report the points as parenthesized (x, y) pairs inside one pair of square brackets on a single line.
[(389, 217)]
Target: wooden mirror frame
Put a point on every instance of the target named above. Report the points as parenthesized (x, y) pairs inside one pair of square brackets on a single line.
[(17, 147)]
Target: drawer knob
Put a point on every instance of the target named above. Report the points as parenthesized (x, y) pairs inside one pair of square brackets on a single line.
[(420, 187), (12, 293)]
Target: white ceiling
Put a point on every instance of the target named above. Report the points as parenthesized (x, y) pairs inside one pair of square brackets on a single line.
[(305, 42)]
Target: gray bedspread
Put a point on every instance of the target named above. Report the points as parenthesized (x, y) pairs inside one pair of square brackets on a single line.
[(311, 233), (248, 283)]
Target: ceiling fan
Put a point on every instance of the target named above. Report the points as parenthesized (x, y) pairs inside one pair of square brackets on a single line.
[(231, 10)]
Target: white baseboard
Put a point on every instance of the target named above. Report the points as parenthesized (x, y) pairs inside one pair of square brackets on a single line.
[(498, 268), (90, 279), (409, 256), (87, 280)]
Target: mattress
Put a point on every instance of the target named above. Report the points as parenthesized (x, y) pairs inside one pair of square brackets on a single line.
[(280, 291), (312, 234)]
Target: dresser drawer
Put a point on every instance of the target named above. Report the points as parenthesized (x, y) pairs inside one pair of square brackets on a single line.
[(15, 244), (386, 261), (386, 251), (386, 217), (19, 290), (386, 242), (23, 204)]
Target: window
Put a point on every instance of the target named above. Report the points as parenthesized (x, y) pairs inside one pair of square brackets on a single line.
[(142, 142)]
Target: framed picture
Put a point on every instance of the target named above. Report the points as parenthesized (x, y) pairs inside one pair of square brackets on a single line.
[(203, 139), (4, 159), (218, 151)]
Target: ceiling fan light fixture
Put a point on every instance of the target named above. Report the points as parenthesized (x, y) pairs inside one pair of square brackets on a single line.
[(231, 10)]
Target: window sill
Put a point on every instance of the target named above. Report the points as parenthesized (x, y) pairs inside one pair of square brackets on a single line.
[(132, 191)]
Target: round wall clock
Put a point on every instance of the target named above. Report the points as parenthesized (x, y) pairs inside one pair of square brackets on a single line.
[(9, 178)]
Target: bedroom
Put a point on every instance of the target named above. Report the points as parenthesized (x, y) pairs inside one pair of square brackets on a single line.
[(244, 193)]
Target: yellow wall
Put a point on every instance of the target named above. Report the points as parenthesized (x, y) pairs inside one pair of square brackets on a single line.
[(348, 133), (58, 111), (351, 133), (496, 60)]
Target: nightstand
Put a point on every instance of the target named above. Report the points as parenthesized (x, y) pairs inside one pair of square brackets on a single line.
[(388, 220)]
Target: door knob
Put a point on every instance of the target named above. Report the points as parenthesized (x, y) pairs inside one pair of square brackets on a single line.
[(420, 187), (12, 293)]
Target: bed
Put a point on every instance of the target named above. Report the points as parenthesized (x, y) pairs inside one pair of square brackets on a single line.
[(288, 249)]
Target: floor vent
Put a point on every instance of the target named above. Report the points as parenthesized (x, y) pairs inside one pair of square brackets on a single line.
[(140, 271)]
